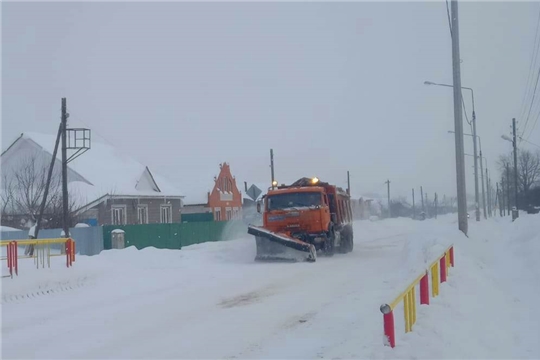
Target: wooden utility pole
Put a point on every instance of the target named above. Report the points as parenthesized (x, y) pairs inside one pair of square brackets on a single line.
[(348, 183), (389, 211), (509, 208), (65, 202), (272, 166), (422, 197), (436, 204), (413, 206)]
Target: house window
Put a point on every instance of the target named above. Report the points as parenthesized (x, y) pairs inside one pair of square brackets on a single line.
[(142, 214), (229, 213), (166, 214), (217, 214), (118, 213)]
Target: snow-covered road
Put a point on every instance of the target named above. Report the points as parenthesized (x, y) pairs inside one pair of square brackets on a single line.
[(213, 301)]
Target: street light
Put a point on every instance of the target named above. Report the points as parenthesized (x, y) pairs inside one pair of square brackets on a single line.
[(476, 176), (476, 191)]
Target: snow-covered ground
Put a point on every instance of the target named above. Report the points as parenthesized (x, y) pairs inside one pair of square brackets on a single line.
[(213, 301)]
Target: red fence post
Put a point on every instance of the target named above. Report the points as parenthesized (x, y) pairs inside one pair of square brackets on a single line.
[(452, 256), (16, 258), (68, 252), (442, 266), (388, 317), (424, 290), (9, 259), (72, 250)]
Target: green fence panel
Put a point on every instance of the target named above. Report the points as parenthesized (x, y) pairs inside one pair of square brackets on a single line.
[(174, 236), (160, 236), (197, 217)]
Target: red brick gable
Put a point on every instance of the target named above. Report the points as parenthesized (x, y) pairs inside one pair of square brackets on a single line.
[(225, 200)]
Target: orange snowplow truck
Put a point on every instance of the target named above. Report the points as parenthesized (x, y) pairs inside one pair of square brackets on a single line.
[(303, 218)]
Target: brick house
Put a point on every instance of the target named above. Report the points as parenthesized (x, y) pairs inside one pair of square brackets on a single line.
[(108, 187), (224, 200)]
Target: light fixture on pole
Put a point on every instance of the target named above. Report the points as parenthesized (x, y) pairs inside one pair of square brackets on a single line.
[(476, 190)]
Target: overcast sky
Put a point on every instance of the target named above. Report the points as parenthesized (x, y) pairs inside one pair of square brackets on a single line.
[(330, 87)]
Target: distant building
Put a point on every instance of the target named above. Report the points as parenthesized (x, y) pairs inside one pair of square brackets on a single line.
[(224, 201)]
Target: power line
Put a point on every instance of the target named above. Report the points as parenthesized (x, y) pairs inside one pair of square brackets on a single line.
[(527, 141), (532, 102), (449, 22), (528, 83)]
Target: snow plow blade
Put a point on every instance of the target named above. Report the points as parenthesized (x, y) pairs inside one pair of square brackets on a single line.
[(280, 247)]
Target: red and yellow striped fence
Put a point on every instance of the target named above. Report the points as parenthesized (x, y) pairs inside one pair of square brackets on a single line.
[(439, 271), (42, 252)]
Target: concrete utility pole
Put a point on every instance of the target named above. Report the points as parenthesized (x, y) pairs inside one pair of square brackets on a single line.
[(272, 167), (389, 211), (476, 195), (483, 189), (65, 202), (458, 123), (515, 214)]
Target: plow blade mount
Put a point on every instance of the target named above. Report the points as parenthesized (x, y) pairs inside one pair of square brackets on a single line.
[(278, 246)]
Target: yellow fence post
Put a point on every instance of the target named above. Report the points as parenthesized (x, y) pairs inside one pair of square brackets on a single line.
[(406, 313), (435, 279)]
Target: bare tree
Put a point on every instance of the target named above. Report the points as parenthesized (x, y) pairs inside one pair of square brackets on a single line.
[(528, 169), (23, 188)]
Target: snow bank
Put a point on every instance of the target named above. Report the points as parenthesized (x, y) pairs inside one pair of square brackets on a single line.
[(487, 308), (213, 301)]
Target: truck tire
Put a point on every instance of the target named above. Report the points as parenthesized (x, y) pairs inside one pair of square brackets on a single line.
[(329, 244), (347, 243)]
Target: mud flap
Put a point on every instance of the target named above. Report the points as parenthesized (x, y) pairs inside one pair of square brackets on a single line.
[(277, 246)]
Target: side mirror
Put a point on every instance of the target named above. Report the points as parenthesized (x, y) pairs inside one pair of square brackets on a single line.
[(259, 207)]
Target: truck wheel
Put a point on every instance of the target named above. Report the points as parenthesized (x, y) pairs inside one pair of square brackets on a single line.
[(329, 244), (350, 242), (347, 243)]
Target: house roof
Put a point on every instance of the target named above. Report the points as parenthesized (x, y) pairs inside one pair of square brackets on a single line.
[(103, 170)]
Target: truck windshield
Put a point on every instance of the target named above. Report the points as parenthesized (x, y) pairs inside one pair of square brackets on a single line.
[(294, 200)]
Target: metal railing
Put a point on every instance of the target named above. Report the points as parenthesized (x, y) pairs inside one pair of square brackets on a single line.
[(41, 252), (439, 271)]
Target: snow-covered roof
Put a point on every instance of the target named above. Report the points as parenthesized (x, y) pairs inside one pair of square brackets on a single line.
[(103, 170)]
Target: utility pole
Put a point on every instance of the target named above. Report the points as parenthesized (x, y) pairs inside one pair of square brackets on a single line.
[(348, 184), (413, 206), (503, 197), (64, 171), (515, 214), (436, 204), (422, 197), (272, 167), (499, 201), (488, 185), (509, 209), (428, 212), (458, 123), (476, 192), (47, 185), (389, 211), (483, 189)]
